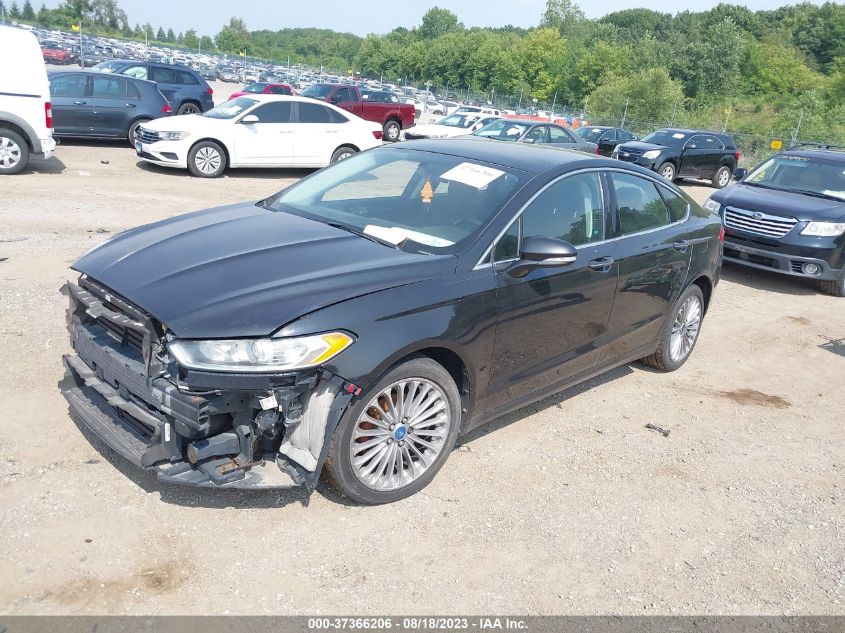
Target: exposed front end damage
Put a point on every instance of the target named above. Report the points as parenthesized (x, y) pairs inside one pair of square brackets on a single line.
[(192, 427)]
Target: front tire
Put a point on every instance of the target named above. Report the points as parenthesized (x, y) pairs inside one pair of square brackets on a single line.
[(391, 442), (835, 287), (391, 131), (207, 160), (667, 170), (14, 152), (680, 332), (722, 177), (342, 153)]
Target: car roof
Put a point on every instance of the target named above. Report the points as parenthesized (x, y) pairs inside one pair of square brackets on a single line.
[(98, 73), (829, 153), (690, 131), (522, 156)]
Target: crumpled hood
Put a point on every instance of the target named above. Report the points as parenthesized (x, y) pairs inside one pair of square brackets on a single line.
[(796, 205), (242, 270), (640, 146)]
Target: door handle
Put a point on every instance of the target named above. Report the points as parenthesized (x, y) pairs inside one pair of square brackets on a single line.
[(681, 245), (331, 131), (80, 102), (128, 105), (602, 264), (285, 131)]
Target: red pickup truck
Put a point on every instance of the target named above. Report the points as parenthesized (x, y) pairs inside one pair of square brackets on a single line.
[(393, 115)]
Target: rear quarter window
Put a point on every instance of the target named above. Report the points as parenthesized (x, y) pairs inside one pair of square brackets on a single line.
[(187, 78)]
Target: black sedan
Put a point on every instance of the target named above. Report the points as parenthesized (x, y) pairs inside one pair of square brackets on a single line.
[(534, 133), (607, 138), (91, 104), (361, 320)]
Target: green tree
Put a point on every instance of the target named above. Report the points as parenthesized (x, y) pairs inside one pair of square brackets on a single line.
[(161, 35), (599, 64), (777, 70), (563, 15), (651, 96), (234, 37), (170, 36), (14, 10), (437, 22), (191, 40), (206, 43), (713, 64), (540, 56), (28, 13)]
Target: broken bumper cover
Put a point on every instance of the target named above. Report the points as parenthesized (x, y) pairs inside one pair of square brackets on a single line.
[(220, 437)]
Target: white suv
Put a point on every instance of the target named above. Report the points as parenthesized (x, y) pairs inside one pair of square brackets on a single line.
[(26, 117)]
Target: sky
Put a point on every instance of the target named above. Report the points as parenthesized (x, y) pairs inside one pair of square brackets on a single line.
[(369, 16)]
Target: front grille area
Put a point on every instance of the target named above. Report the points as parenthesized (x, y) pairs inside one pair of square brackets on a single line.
[(628, 155), (753, 258), (123, 322), (146, 136), (758, 223)]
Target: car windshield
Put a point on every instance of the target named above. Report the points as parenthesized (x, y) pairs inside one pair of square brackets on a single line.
[(108, 67), (667, 138), (459, 120), (256, 88), (592, 134), (230, 109), (418, 201), (502, 130), (800, 173), (317, 91)]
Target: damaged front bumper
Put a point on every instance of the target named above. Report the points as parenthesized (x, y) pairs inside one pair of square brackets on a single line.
[(192, 428)]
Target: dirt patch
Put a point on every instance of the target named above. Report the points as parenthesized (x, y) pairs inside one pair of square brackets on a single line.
[(758, 398), (160, 579), (799, 320)]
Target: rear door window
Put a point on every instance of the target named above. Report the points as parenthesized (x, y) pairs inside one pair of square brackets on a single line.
[(187, 78), (162, 75), (678, 207), (314, 113), (559, 135), (638, 204), (68, 86), (108, 87)]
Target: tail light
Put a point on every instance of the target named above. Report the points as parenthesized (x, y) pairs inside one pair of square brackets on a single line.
[(721, 233), (378, 134), (210, 90), (597, 150), (166, 109), (48, 114), (736, 155)]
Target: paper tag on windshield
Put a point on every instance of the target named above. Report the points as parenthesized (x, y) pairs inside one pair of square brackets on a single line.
[(678, 135), (472, 175)]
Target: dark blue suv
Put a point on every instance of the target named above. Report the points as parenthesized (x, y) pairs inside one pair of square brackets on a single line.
[(186, 91), (788, 216)]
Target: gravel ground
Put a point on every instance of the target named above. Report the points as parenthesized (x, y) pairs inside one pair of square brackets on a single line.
[(569, 506)]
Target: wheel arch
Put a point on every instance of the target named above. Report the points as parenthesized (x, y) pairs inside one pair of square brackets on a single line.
[(706, 284), (19, 127)]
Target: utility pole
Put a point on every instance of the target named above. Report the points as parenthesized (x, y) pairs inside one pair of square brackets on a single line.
[(552, 113), (727, 116), (674, 110), (625, 115), (81, 51), (798, 128), (519, 105)]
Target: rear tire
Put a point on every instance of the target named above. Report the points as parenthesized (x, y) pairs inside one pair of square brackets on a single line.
[(667, 170), (207, 160), (188, 108), (133, 128), (428, 414), (835, 287), (14, 152), (392, 129), (722, 177), (342, 153), (680, 332)]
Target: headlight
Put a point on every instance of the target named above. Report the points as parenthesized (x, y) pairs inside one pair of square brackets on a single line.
[(173, 136), (649, 155), (824, 229), (260, 355), (712, 205)]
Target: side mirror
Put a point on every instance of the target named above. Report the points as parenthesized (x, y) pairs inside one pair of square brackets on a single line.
[(335, 99), (740, 173), (542, 252), (249, 119)]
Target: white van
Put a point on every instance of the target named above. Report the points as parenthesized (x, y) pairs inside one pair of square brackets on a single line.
[(26, 117)]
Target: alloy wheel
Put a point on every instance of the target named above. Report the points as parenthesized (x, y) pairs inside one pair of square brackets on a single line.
[(685, 329), (10, 153), (189, 109), (207, 160), (400, 434), (724, 178), (668, 172)]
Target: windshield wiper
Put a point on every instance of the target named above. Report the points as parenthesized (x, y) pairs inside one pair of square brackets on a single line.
[(762, 186), (359, 232), (816, 194)]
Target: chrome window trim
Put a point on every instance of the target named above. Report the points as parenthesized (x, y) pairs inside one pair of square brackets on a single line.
[(599, 170)]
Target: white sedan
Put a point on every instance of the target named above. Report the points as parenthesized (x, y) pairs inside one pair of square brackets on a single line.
[(450, 126), (256, 131)]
